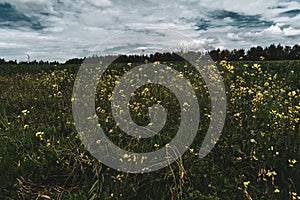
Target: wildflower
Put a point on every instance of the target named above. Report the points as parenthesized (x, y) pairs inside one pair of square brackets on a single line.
[(237, 114), (256, 66), (271, 173), (39, 134), (253, 141), (59, 94), (255, 158), (292, 162), (239, 158), (186, 104), (48, 143), (119, 177), (25, 112), (271, 148), (246, 183), (55, 86), (292, 94), (276, 190)]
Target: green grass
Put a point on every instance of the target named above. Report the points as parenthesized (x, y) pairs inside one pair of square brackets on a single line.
[(42, 157)]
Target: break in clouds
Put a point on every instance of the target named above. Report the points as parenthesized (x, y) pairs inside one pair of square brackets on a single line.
[(60, 30)]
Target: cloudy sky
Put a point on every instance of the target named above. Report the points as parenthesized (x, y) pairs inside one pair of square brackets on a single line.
[(60, 30)]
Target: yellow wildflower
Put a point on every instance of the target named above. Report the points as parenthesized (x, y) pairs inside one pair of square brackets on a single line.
[(246, 183)]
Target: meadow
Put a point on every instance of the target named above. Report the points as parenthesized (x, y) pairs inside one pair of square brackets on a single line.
[(256, 157)]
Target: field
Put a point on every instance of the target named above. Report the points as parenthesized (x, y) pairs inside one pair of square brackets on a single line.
[(256, 157)]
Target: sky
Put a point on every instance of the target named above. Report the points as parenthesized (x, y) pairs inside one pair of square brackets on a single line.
[(61, 30)]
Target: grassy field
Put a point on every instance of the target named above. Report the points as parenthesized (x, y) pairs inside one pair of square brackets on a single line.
[(257, 155)]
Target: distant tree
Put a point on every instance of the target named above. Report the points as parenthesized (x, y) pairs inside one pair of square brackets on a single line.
[(2, 61), (255, 53), (74, 61), (215, 54), (295, 52), (271, 52), (236, 54)]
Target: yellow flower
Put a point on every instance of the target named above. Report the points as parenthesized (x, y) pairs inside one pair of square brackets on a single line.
[(253, 141), (255, 158), (39, 134), (271, 148), (292, 162), (237, 114), (59, 94), (156, 63), (292, 94), (45, 196), (25, 112), (246, 183), (239, 158), (276, 190), (271, 173), (256, 66), (48, 143)]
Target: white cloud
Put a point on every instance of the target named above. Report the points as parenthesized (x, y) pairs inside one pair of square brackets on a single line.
[(100, 3), (233, 37), (275, 30), (291, 32)]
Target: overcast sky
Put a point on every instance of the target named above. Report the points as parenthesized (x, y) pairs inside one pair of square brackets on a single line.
[(60, 30)]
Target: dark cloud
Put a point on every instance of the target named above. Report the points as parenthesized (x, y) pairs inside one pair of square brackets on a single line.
[(277, 7), (242, 20), (203, 24), (290, 13), (224, 18), (11, 18)]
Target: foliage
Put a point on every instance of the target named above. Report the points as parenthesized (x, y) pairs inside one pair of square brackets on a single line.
[(257, 156)]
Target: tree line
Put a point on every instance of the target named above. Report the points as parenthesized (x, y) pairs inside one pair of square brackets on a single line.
[(272, 52)]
